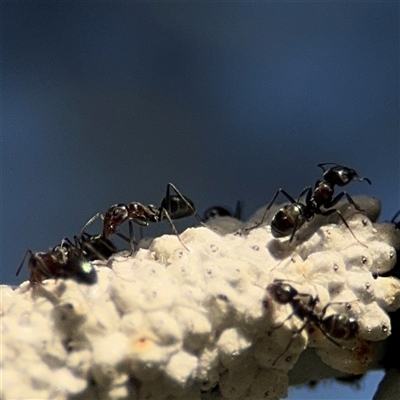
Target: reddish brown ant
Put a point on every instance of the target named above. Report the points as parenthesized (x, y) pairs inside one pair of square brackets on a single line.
[(173, 206)]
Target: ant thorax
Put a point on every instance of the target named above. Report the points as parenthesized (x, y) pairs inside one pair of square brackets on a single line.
[(322, 195), (114, 217)]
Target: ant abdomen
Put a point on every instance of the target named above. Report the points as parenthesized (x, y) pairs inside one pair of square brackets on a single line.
[(340, 326), (287, 220), (178, 206)]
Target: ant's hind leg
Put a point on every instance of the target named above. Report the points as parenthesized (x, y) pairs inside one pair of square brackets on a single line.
[(329, 212), (287, 195), (295, 334), (91, 220), (166, 215), (186, 200)]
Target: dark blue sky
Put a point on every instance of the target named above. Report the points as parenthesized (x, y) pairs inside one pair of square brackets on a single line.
[(105, 103)]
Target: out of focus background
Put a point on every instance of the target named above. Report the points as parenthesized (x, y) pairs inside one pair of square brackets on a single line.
[(106, 103)]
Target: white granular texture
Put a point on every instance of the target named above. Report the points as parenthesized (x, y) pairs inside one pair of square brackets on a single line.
[(197, 322)]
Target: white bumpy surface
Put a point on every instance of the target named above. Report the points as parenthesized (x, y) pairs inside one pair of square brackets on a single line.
[(177, 323)]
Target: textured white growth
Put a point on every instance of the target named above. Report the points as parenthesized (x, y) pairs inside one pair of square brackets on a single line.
[(180, 323)]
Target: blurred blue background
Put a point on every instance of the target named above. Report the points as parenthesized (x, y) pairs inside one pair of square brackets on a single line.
[(105, 103)]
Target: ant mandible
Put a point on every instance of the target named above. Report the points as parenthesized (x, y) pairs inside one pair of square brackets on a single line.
[(335, 326), (173, 206), (288, 220), (65, 261)]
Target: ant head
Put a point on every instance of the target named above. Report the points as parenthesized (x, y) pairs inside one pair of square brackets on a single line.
[(281, 292), (340, 175), (114, 217)]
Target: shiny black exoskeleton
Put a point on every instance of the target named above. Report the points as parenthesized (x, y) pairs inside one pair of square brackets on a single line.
[(219, 211), (289, 219), (339, 175), (65, 261), (173, 206), (335, 326), (95, 247)]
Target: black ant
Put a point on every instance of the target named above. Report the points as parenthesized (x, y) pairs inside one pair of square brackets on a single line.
[(96, 247), (173, 206), (219, 211), (65, 261), (335, 326), (289, 219)]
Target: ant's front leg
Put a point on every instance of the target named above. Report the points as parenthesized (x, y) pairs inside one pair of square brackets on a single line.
[(323, 311), (329, 212), (349, 199)]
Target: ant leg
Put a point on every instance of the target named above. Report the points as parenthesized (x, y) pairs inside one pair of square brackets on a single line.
[(345, 222), (238, 210), (307, 190), (167, 195), (294, 229), (122, 236), (282, 323), (295, 334), (393, 220), (323, 311), (131, 238), (290, 198), (166, 215), (23, 260), (349, 199), (328, 163), (66, 240), (85, 246), (308, 198), (91, 220)]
